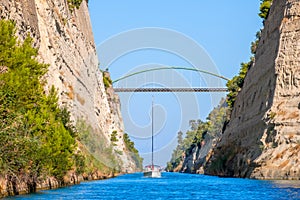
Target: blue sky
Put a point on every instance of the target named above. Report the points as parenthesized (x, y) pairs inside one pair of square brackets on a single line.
[(223, 32)]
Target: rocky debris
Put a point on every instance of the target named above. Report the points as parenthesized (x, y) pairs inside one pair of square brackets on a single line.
[(262, 139)]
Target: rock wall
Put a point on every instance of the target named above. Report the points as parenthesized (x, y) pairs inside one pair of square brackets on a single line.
[(65, 41), (195, 158), (262, 139), (10, 186)]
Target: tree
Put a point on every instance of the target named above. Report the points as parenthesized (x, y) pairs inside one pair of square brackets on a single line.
[(236, 83), (199, 131), (35, 135), (180, 139)]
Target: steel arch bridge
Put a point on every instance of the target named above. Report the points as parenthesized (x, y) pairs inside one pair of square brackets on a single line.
[(190, 89)]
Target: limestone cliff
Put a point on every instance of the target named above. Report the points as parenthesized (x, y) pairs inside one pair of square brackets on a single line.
[(262, 139), (65, 41), (195, 158), (191, 152)]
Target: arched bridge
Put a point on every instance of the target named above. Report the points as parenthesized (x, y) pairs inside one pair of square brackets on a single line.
[(176, 89)]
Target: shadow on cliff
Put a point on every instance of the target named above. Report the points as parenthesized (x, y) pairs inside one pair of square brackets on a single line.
[(241, 144)]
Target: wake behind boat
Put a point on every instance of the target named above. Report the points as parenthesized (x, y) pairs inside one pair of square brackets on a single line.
[(152, 171)]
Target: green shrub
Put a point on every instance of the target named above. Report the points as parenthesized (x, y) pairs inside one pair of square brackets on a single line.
[(133, 151), (107, 81), (113, 137), (199, 131), (265, 8), (74, 4), (36, 136), (99, 153), (236, 83)]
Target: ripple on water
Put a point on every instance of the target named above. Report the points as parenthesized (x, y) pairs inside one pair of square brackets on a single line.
[(174, 186)]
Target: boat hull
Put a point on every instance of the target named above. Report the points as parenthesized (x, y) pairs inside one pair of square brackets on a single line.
[(152, 174)]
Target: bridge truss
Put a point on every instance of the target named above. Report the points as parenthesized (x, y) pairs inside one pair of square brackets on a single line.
[(170, 89)]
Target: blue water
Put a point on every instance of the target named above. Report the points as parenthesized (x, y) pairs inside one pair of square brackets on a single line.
[(174, 186)]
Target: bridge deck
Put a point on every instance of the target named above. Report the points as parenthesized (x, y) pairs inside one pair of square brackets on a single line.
[(171, 89)]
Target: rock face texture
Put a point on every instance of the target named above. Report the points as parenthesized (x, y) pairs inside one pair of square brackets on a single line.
[(262, 139), (65, 42), (196, 157), (10, 186)]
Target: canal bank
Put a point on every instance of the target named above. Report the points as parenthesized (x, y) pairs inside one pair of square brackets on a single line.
[(11, 186)]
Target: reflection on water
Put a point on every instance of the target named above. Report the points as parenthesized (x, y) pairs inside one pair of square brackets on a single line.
[(286, 184), (290, 189)]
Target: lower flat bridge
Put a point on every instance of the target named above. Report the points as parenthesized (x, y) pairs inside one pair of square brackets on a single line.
[(170, 89)]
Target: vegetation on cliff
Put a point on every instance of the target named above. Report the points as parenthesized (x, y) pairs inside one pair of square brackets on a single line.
[(265, 8), (74, 4), (98, 154), (212, 128), (36, 136), (106, 79), (199, 133), (133, 151), (236, 83), (234, 86)]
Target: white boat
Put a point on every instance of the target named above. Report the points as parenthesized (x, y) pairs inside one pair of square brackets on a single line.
[(152, 171)]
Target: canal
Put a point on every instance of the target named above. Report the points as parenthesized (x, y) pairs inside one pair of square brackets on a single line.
[(173, 186)]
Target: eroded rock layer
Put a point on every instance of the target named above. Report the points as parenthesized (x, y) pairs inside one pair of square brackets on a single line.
[(262, 139)]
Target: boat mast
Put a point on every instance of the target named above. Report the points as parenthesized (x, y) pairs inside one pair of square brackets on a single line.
[(152, 130)]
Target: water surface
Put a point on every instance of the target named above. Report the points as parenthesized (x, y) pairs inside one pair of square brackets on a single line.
[(174, 186)]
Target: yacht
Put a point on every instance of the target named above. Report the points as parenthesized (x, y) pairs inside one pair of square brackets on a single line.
[(152, 171)]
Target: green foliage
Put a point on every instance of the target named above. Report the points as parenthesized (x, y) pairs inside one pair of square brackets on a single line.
[(113, 137), (64, 115), (272, 115), (36, 137), (74, 4), (99, 154), (199, 131), (107, 81), (213, 126), (80, 163), (216, 119), (255, 43), (180, 138), (265, 8), (236, 83), (133, 151), (129, 144)]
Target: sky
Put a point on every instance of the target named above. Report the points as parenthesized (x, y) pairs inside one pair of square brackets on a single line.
[(134, 35)]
